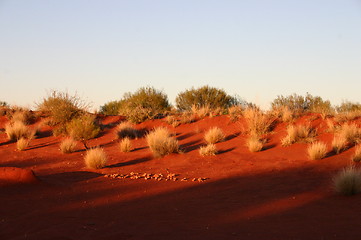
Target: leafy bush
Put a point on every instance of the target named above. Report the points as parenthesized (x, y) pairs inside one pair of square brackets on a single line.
[(208, 150), (83, 128), (111, 108), (146, 103), (356, 157), (214, 135), (205, 96), (161, 143), (62, 107), (95, 158), (348, 181), (298, 103)]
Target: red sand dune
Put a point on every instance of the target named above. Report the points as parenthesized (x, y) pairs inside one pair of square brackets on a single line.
[(273, 194)]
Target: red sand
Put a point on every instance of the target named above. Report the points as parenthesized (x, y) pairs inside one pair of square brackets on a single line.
[(274, 194)]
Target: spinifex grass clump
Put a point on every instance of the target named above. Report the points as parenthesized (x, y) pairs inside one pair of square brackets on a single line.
[(17, 130), (208, 150), (298, 133), (214, 135), (125, 145), (83, 128), (356, 157), (68, 145), (22, 144), (95, 158), (339, 144), (348, 181), (258, 123), (317, 150), (161, 143), (254, 144), (127, 129)]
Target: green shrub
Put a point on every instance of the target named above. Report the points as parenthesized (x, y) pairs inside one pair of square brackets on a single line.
[(111, 108), (205, 96), (83, 128), (62, 107), (146, 103), (127, 129), (298, 103)]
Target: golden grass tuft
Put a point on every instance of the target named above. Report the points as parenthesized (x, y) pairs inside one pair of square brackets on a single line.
[(235, 112), (17, 130), (171, 120), (258, 123), (351, 132), (348, 181), (161, 143), (68, 145), (339, 144), (125, 145), (208, 150), (356, 157), (317, 150), (254, 144), (298, 133), (214, 135), (95, 158), (127, 129), (22, 144)]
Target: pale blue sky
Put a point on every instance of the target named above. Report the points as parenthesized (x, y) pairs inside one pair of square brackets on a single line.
[(256, 49)]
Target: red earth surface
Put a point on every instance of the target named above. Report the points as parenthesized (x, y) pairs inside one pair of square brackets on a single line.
[(277, 193)]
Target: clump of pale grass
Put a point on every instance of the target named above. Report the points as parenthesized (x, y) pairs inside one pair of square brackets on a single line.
[(235, 112), (339, 144), (350, 132), (22, 115), (254, 144), (171, 120), (258, 123), (188, 117), (125, 145), (331, 125), (317, 150), (356, 157), (214, 135), (202, 111), (22, 144), (17, 130), (208, 150), (95, 158), (161, 143), (127, 129), (68, 145), (298, 133), (348, 181)]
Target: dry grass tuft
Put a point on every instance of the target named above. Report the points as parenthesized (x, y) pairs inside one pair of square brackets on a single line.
[(17, 130), (201, 112), (127, 129), (214, 135), (235, 112), (161, 143), (298, 133), (171, 120), (317, 150), (209, 150), (356, 157), (188, 117), (339, 144), (258, 122), (68, 145), (254, 144), (125, 145), (350, 132), (348, 181), (95, 158), (22, 144)]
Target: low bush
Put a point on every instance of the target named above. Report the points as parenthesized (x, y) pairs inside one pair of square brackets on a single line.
[(258, 123), (83, 128), (111, 108), (317, 150), (95, 158), (125, 145), (214, 135), (68, 145), (208, 150), (339, 144), (235, 112), (161, 143), (348, 181)]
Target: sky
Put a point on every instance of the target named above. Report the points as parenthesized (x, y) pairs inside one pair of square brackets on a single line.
[(257, 49)]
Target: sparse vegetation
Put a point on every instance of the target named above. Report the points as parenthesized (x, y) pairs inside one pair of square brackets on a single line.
[(214, 135), (339, 144), (111, 108), (235, 112), (161, 143), (125, 145), (83, 128), (23, 115), (348, 181), (298, 133), (67, 145), (356, 157), (208, 150), (258, 123), (127, 129), (95, 158), (317, 150)]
